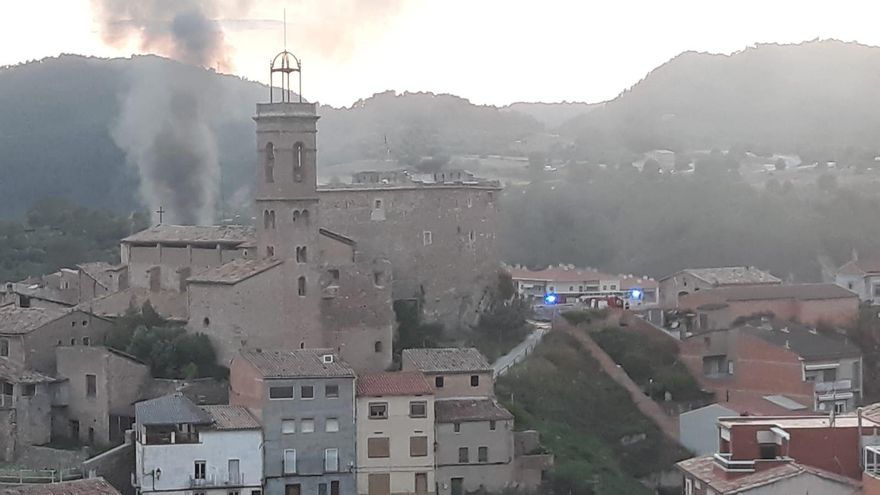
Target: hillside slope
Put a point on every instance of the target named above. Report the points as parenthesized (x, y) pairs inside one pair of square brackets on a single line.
[(808, 97)]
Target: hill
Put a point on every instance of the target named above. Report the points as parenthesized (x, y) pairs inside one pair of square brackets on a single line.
[(56, 140), (553, 114), (817, 98)]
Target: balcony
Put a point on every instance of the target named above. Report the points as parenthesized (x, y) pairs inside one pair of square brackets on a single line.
[(6, 401), (728, 464), (170, 438), (831, 387), (214, 481)]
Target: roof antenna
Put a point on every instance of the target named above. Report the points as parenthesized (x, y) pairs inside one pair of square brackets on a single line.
[(285, 29)]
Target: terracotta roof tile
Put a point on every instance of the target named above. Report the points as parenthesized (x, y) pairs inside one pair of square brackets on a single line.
[(802, 292), (16, 320), (466, 410), (447, 360), (91, 486), (732, 275), (703, 469), (299, 363), (387, 384), (234, 271), (193, 234), (232, 418)]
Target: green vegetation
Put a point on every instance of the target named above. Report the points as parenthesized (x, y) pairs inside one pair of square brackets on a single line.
[(412, 333), (866, 335), (586, 316), (500, 329), (57, 233), (651, 362), (586, 420), (170, 351)]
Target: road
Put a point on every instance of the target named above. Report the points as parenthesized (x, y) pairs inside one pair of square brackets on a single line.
[(522, 349)]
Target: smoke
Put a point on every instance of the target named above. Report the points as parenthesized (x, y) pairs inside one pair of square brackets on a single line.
[(163, 126)]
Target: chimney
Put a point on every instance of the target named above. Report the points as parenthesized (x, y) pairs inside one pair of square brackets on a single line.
[(855, 255), (787, 344)]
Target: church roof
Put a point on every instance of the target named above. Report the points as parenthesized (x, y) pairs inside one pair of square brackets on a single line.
[(193, 234), (234, 271)]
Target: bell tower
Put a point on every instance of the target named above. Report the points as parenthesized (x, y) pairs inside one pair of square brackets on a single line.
[(286, 172)]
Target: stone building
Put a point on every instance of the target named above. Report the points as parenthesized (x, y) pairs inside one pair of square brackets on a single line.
[(452, 372), (691, 280), (439, 232), (305, 400)]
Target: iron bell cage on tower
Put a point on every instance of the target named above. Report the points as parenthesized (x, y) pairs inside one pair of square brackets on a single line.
[(284, 64)]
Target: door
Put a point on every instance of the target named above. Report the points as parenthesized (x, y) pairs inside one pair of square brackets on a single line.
[(421, 483), (291, 489), (379, 484), (457, 486), (234, 472)]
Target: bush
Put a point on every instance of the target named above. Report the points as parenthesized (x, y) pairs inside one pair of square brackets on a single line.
[(587, 316)]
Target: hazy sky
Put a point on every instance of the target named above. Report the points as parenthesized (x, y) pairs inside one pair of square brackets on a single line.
[(490, 51)]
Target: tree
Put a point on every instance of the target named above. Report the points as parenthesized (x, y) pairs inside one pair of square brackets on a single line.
[(780, 164)]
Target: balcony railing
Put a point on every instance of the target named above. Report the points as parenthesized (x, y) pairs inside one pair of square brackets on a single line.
[(169, 438), (838, 386), (728, 464), (214, 481), (6, 401)]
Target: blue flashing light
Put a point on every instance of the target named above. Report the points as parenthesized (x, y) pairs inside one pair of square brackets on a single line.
[(551, 298), (636, 294)]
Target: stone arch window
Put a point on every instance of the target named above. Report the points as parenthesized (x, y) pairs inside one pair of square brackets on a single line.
[(270, 251), (270, 162), (301, 286), (265, 219), (377, 346), (272, 219), (298, 162), (301, 254), (305, 216), (296, 215)]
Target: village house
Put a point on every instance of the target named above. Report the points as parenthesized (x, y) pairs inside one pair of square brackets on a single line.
[(182, 448), (789, 454), (572, 284), (66, 287), (810, 304), (452, 372), (305, 401), (91, 486), (690, 280), (100, 386), (821, 371), (861, 276), (395, 429)]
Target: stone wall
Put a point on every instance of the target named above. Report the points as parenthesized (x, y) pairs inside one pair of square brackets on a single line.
[(440, 240), (115, 466)]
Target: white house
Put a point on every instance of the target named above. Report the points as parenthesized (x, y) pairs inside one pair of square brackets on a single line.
[(861, 277), (185, 449)]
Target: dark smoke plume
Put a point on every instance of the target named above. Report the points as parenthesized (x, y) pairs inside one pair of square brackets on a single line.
[(163, 124)]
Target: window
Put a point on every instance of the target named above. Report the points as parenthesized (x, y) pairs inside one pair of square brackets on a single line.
[(475, 380), (418, 409), (331, 425), (438, 382), (91, 386), (378, 410), (72, 341), (292, 489), (876, 290), (270, 251), (298, 162), (322, 488), (483, 454), (301, 255), (331, 391), (427, 238), (270, 162), (29, 390), (206, 321), (839, 407), (849, 285), (463, 456), (334, 488), (289, 461), (199, 470), (73, 323), (4, 348), (305, 216), (331, 460), (307, 425), (86, 341), (492, 425), (418, 446), (334, 274), (377, 346), (307, 392), (280, 392), (378, 277), (288, 426), (688, 487), (301, 286), (456, 427), (256, 492), (472, 236), (378, 447), (767, 450), (377, 204)]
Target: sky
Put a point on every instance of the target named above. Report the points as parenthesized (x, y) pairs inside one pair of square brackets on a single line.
[(489, 51)]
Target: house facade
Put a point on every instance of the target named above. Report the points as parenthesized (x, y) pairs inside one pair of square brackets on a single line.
[(572, 284), (691, 280), (861, 276), (305, 401), (184, 449), (453, 372), (395, 427)]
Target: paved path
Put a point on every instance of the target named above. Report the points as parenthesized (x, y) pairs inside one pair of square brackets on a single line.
[(522, 350), (646, 405)]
